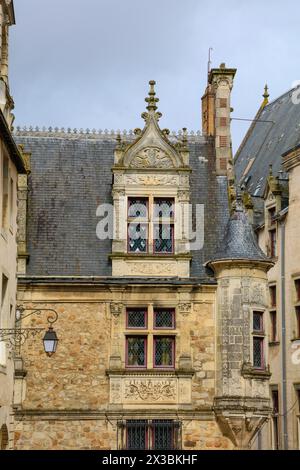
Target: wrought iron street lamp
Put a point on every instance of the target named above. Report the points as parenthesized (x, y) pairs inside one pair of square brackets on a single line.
[(17, 336)]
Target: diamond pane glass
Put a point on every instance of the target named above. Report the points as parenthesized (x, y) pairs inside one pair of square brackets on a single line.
[(164, 208), (164, 318), (258, 352), (137, 207), (163, 238), (257, 321), (163, 352), (136, 352), (163, 435), (136, 318), (137, 238), (136, 434)]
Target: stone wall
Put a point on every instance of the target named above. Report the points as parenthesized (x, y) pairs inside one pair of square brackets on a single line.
[(75, 398)]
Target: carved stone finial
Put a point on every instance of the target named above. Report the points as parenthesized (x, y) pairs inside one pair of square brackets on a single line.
[(152, 101), (266, 96)]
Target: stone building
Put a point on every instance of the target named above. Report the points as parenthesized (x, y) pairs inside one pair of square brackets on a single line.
[(268, 167), (140, 244), (11, 165)]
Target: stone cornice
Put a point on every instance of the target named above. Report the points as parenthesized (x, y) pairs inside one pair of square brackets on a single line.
[(291, 159)]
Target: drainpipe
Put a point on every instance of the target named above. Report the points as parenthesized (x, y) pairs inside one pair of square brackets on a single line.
[(283, 336)]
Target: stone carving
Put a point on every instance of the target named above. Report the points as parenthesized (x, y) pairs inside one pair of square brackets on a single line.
[(152, 269), (184, 180), (152, 157), (147, 390), (118, 178), (185, 308), (152, 180), (258, 295), (184, 195), (116, 308)]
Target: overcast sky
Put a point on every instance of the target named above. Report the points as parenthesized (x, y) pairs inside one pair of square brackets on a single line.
[(87, 63)]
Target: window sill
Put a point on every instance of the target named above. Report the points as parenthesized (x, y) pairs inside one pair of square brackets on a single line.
[(250, 372), (274, 343), (150, 256), (149, 372), (294, 340)]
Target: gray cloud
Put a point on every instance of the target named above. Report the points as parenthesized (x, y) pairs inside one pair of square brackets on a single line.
[(78, 63)]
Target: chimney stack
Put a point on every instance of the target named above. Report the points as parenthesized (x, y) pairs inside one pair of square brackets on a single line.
[(216, 111)]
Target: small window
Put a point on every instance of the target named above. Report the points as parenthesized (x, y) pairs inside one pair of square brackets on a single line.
[(298, 322), (164, 352), (297, 286), (223, 102), (258, 352), (258, 322), (164, 208), (164, 318), (164, 238), (136, 351), (273, 295), (275, 420), (273, 243), (136, 434), (273, 318), (137, 238), (272, 214), (5, 189), (138, 208), (136, 318), (11, 203)]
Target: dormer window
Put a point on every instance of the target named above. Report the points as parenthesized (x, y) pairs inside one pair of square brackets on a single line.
[(151, 225), (138, 225)]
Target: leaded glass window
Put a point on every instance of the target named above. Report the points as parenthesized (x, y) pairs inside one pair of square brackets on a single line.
[(163, 434), (164, 318), (137, 238), (164, 351), (136, 351), (257, 321), (136, 318), (136, 438), (138, 208), (258, 356), (164, 208), (163, 238)]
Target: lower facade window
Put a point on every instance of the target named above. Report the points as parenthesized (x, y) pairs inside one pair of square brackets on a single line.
[(136, 351), (258, 352), (275, 420), (164, 351), (258, 340), (149, 435)]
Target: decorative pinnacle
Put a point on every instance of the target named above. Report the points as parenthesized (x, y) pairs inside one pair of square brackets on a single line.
[(266, 96), (151, 99)]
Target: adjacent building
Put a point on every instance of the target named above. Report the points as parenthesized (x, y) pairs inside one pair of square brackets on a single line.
[(268, 168), (11, 167)]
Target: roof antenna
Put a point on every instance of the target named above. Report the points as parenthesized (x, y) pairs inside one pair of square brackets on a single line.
[(209, 60)]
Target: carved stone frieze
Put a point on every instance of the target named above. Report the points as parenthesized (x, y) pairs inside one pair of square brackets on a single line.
[(152, 180), (152, 157), (150, 390), (116, 308), (185, 308)]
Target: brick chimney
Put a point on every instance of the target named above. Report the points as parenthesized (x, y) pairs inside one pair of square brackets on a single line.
[(216, 111)]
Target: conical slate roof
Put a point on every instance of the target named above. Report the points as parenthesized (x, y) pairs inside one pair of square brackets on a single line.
[(239, 242)]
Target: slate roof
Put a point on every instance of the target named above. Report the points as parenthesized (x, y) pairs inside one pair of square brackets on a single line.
[(265, 142), (239, 242), (71, 176)]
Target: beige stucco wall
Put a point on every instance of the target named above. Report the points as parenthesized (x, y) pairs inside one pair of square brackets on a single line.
[(292, 271), (8, 256)]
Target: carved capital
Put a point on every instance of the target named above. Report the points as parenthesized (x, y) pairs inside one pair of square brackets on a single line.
[(116, 308), (185, 308)]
